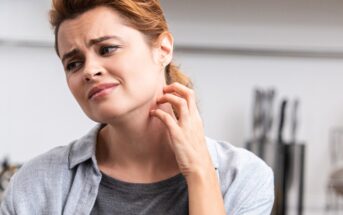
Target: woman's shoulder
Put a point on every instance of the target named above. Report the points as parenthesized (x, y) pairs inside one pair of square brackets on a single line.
[(43, 170), (233, 158), (63, 158), (245, 179), (239, 167), (52, 160), (46, 174)]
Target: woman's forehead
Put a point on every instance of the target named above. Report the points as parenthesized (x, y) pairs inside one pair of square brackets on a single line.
[(95, 23)]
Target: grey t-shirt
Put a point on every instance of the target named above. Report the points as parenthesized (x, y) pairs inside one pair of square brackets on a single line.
[(169, 196)]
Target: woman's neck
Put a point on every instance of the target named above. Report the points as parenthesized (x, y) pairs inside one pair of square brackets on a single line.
[(138, 144)]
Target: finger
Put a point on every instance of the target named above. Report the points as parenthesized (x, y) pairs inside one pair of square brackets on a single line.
[(167, 120), (180, 105), (184, 92)]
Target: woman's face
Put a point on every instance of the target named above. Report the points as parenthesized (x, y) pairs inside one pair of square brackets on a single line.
[(98, 49)]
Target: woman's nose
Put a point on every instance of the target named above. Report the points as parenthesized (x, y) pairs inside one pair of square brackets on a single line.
[(92, 75), (92, 71)]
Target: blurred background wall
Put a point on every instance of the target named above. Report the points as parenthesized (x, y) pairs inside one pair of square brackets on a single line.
[(228, 47)]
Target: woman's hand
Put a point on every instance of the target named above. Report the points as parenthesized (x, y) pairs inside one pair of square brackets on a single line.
[(186, 131), (187, 139)]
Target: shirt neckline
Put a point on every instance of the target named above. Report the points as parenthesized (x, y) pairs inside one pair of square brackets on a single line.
[(163, 185)]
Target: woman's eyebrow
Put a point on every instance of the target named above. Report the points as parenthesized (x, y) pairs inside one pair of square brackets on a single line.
[(91, 43), (70, 54), (100, 39)]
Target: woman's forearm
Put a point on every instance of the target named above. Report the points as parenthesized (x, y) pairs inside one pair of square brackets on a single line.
[(204, 194)]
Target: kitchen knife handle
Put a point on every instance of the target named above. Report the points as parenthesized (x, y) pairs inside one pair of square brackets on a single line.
[(282, 120)]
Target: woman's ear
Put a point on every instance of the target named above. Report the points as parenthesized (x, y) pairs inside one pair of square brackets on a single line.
[(165, 48)]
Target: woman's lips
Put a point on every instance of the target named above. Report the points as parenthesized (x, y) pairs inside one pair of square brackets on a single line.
[(101, 90)]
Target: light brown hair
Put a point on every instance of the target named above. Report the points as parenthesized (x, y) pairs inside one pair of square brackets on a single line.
[(144, 15)]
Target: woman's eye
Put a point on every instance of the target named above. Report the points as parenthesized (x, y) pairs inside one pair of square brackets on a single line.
[(73, 65), (108, 49)]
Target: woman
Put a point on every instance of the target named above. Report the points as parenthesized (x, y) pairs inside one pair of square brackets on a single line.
[(148, 154)]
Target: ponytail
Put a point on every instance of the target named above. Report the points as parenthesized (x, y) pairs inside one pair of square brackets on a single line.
[(174, 74)]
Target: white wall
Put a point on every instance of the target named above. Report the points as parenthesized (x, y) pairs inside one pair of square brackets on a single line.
[(37, 111), (291, 24)]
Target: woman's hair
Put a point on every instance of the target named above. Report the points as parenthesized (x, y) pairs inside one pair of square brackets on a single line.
[(144, 15)]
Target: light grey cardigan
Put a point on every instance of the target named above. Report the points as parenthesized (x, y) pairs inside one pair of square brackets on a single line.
[(66, 179)]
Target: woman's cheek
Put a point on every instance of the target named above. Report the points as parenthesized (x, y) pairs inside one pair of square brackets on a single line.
[(75, 89)]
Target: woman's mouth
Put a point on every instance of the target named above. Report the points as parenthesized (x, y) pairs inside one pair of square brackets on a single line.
[(101, 90)]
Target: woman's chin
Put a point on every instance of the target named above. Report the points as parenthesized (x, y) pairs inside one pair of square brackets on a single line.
[(110, 116), (106, 117), (110, 111)]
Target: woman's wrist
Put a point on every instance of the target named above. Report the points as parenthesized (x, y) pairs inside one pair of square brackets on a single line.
[(204, 193)]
